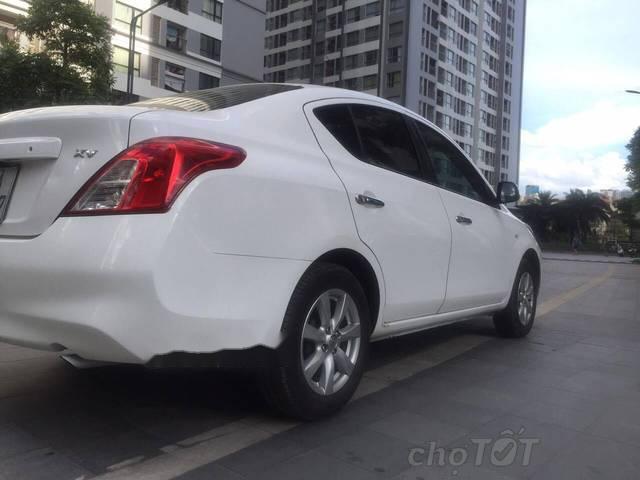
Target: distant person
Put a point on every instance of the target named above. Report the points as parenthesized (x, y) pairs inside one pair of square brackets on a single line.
[(575, 243)]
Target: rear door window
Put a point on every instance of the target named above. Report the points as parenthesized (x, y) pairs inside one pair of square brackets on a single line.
[(386, 140), (375, 135)]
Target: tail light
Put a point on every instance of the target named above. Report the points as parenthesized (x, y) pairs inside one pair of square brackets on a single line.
[(148, 177)]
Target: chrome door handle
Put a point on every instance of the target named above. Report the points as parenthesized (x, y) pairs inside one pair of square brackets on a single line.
[(463, 220), (369, 201)]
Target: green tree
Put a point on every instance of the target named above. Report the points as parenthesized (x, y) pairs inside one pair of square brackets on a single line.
[(74, 66), (546, 199), (627, 209), (633, 162), (539, 214), (581, 211)]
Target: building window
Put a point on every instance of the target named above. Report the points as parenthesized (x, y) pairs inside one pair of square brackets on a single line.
[(353, 15), (121, 61), (353, 38), (371, 33), (371, 58), (370, 82), (208, 81), (393, 79), (180, 5), (394, 55), (372, 9), (396, 5), (174, 77), (176, 36), (123, 15), (395, 30), (210, 47), (212, 9)]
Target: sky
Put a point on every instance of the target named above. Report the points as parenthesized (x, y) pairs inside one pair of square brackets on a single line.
[(580, 57)]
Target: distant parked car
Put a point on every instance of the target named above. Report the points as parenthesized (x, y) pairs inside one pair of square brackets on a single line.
[(273, 225)]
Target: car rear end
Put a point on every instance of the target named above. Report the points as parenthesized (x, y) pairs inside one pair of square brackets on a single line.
[(94, 267)]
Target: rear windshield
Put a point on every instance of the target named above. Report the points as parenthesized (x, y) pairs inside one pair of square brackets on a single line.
[(216, 98)]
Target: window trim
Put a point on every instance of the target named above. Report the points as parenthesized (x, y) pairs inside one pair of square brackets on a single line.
[(491, 198), (406, 119)]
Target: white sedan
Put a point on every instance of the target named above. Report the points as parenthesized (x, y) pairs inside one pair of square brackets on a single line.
[(270, 226)]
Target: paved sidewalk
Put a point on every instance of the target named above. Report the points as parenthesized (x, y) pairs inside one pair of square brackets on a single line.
[(571, 391)]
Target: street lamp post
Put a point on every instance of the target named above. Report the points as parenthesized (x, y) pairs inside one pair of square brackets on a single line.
[(132, 45)]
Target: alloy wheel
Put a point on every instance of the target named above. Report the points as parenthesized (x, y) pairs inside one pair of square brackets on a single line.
[(526, 298), (330, 343)]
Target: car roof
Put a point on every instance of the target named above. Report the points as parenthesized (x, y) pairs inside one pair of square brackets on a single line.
[(233, 95)]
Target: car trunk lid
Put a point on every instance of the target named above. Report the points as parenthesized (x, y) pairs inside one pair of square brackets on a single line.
[(46, 156)]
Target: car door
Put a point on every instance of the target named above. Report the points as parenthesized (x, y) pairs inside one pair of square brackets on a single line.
[(398, 215), (481, 250)]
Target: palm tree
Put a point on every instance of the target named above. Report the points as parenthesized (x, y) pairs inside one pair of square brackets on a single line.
[(539, 213), (581, 211), (546, 199)]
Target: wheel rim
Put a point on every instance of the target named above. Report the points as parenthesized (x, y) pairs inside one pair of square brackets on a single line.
[(330, 344), (526, 298)]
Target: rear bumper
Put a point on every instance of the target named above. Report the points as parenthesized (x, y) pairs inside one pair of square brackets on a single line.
[(131, 288)]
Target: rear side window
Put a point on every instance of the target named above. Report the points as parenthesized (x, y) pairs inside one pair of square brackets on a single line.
[(375, 135), (337, 119), (452, 170)]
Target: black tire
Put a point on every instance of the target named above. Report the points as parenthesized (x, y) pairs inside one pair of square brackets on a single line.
[(507, 322), (285, 385)]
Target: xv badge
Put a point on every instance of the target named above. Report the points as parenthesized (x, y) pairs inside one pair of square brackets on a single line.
[(85, 153)]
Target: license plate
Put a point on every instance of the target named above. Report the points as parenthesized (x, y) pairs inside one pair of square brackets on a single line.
[(8, 175)]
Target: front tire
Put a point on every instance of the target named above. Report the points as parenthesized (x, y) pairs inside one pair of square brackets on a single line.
[(321, 360), (517, 319)]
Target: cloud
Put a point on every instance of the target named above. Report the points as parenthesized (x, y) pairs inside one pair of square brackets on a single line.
[(578, 52), (581, 150)]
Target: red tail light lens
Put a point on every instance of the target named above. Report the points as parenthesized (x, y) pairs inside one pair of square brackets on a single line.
[(148, 177)]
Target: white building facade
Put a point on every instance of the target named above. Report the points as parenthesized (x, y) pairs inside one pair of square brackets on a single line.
[(457, 63), (181, 45)]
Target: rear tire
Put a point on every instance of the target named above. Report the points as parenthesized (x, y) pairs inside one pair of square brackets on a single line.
[(517, 319), (321, 360)]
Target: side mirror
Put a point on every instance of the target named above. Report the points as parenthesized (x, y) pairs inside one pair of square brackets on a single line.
[(508, 192)]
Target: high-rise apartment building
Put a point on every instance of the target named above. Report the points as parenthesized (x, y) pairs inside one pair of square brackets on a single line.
[(457, 63), (187, 44), (181, 45)]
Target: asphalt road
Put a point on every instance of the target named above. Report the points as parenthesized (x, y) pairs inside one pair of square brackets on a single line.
[(456, 402)]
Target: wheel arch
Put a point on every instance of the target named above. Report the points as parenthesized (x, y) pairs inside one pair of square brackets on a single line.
[(531, 257), (363, 270)]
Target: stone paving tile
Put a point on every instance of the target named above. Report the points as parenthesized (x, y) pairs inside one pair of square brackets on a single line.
[(14, 441), (256, 459), (373, 451), (568, 399), (505, 434), (211, 472), (316, 465), (418, 429), (572, 418), (464, 472), (103, 452), (454, 412), (487, 398), (592, 458), (593, 382), (620, 422), (43, 464)]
